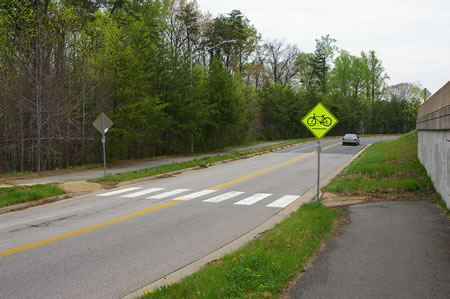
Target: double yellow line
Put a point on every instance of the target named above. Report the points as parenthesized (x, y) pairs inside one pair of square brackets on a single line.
[(143, 212), (267, 170), (86, 229)]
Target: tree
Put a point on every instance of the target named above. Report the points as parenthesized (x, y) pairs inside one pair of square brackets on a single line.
[(303, 66), (235, 26), (226, 106), (281, 61), (374, 79), (327, 46), (62, 62)]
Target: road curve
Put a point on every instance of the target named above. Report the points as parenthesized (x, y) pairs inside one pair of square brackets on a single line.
[(112, 242)]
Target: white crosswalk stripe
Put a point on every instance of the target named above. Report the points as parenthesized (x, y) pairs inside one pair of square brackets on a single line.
[(119, 191), (168, 194), (283, 201), (143, 192), (225, 196), (252, 199), (195, 195)]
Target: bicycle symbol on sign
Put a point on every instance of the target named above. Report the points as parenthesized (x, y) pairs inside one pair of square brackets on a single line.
[(323, 120)]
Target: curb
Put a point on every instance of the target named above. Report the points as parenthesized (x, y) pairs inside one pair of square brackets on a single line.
[(176, 172), (73, 196), (35, 203), (306, 197)]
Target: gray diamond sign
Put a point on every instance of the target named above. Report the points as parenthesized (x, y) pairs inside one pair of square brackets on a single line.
[(102, 123)]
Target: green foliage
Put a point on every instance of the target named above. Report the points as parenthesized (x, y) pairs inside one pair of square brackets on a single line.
[(21, 194), (233, 26), (264, 267), (438, 198), (282, 109), (389, 166), (162, 72)]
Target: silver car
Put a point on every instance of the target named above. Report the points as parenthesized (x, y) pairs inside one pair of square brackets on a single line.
[(350, 139)]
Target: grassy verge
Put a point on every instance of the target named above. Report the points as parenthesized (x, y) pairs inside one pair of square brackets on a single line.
[(196, 162), (388, 170), (438, 199), (263, 268), (21, 194), (15, 175), (28, 175), (385, 167)]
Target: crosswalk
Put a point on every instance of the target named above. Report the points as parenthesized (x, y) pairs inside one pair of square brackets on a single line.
[(242, 198)]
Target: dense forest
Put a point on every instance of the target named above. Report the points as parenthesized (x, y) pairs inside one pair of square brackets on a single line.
[(173, 80)]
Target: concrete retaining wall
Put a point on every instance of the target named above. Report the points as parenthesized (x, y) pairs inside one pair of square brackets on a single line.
[(433, 126)]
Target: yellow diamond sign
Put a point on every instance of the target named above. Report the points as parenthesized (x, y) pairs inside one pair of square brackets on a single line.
[(319, 120)]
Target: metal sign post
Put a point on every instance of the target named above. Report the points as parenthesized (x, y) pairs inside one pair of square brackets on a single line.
[(102, 124), (319, 121), (104, 146), (319, 149)]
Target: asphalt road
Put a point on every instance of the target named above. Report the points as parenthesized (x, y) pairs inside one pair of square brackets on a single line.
[(389, 250), (129, 167), (110, 243)]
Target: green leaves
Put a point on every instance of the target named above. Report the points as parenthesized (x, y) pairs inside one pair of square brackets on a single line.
[(63, 63)]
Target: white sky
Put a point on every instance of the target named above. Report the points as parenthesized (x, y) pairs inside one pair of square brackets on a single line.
[(411, 37)]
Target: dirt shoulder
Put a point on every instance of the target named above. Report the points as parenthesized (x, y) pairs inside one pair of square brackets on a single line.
[(331, 199), (336, 199), (80, 186)]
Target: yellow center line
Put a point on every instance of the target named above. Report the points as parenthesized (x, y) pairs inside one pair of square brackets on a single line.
[(268, 169), (86, 229)]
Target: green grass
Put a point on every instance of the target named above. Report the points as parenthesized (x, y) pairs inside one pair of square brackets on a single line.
[(438, 199), (194, 163), (29, 174), (21, 194), (263, 268), (385, 167)]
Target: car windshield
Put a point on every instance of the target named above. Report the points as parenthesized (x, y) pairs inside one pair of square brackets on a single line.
[(350, 136)]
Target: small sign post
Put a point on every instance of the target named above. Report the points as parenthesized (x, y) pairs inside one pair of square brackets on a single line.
[(319, 121), (103, 124)]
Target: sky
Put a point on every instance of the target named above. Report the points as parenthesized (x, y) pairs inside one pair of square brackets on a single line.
[(411, 37)]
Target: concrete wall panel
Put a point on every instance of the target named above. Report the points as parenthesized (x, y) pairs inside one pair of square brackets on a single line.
[(433, 125), (434, 154), (448, 168)]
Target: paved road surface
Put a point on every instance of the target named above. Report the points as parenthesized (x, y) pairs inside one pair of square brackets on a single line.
[(112, 242), (98, 173), (389, 250)]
